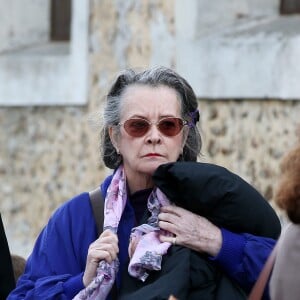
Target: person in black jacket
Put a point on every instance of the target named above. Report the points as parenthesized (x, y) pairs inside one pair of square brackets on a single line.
[(7, 281)]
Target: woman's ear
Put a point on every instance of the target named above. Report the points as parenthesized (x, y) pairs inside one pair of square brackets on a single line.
[(185, 134), (113, 137)]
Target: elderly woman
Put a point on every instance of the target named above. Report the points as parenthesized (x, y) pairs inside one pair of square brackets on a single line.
[(149, 122)]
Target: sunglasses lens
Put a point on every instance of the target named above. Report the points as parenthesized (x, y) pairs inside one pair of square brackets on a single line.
[(167, 126), (136, 127), (170, 126)]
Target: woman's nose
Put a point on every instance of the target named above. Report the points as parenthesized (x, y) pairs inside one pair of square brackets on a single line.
[(153, 135)]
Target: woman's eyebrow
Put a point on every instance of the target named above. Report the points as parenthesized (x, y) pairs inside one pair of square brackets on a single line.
[(146, 118), (138, 116)]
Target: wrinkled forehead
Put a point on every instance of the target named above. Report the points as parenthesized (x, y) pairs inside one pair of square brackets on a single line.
[(148, 97)]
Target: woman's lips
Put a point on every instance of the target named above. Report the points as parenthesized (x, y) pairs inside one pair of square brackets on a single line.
[(152, 154)]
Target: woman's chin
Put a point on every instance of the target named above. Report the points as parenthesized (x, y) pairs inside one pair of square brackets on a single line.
[(150, 167)]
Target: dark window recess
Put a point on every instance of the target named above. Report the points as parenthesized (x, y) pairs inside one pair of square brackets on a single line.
[(288, 7), (60, 20)]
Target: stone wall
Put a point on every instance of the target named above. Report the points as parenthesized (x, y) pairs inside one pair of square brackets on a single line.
[(49, 154), (250, 137)]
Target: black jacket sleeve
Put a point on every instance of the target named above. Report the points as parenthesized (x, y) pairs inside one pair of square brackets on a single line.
[(221, 196), (7, 281)]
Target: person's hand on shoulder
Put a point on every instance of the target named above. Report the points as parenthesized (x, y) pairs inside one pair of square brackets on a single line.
[(191, 230)]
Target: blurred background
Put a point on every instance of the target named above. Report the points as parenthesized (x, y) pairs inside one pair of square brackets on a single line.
[(58, 59)]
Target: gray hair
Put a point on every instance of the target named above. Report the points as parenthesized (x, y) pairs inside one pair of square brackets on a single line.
[(153, 77)]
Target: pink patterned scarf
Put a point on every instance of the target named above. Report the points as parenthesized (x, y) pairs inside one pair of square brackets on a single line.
[(145, 247)]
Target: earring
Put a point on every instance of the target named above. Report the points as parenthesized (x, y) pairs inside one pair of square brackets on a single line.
[(118, 151)]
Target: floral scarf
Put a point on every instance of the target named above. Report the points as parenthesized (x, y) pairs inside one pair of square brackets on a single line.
[(145, 246)]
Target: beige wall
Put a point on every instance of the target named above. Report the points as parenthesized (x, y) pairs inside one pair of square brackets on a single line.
[(49, 154)]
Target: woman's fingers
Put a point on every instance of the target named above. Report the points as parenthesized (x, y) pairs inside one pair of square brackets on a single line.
[(169, 239), (103, 252), (171, 217), (104, 248), (173, 209), (106, 243), (191, 230)]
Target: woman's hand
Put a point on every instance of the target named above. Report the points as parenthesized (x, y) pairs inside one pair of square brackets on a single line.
[(191, 230), (104, 248)]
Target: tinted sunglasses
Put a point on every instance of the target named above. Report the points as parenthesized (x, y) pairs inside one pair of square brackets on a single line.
[(137, 127)]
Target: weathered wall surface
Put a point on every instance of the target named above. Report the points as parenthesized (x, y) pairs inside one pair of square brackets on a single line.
[(49, 154), (250, 137)]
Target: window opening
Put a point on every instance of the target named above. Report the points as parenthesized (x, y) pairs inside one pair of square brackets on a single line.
[(60, 20), (288, 7)]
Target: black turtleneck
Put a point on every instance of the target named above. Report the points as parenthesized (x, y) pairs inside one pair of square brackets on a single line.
[(138, 201)]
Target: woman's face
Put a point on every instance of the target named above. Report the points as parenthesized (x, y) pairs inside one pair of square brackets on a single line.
[(142, 155)]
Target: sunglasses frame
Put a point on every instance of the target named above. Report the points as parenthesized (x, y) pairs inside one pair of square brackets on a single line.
[(183, 122)]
